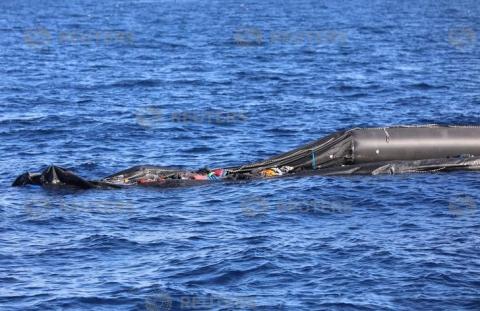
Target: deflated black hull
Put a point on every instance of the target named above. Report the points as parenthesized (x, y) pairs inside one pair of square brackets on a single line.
[(368, 151)]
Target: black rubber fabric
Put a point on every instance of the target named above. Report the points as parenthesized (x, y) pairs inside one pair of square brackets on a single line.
[(372, 151)]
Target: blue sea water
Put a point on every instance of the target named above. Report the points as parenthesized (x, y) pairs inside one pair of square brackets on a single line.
[(98, 86)]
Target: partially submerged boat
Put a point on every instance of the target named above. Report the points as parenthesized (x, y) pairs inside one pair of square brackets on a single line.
[(367, 151)]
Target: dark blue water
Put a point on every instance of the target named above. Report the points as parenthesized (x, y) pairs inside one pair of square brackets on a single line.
[(98, 86)]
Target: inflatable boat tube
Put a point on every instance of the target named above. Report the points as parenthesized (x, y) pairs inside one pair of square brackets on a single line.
[(367, 151)]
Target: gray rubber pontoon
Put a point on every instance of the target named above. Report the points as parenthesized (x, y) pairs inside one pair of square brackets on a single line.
[(388, 150)]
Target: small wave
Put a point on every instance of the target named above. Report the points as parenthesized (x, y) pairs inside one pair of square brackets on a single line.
[(375, 30), (346, 306), (84, 302), (25, 118), (256, 239), (407, 68), (198, 149), (345, 88), (46, 220), (357, 95), (425, 86), (234, 275), (160, 46), (106, 241), (137, 82), (8, 279), (156, 219)]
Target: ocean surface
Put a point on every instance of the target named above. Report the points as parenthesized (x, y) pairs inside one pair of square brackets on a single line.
[(99, 86)]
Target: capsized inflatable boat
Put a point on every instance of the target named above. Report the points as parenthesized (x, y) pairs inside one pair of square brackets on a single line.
[(371, 151)]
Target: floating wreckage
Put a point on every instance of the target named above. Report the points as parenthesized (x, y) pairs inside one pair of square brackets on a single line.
[(367, 151)]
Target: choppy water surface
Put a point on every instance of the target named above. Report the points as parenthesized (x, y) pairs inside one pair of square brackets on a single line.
[(98, 86)]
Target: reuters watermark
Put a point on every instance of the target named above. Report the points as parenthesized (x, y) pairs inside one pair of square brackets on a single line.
[(167, 302), (252, 36), (152, 117), (261, 206), (462, 205), (462, 38), (38, 208), (44, 37)]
